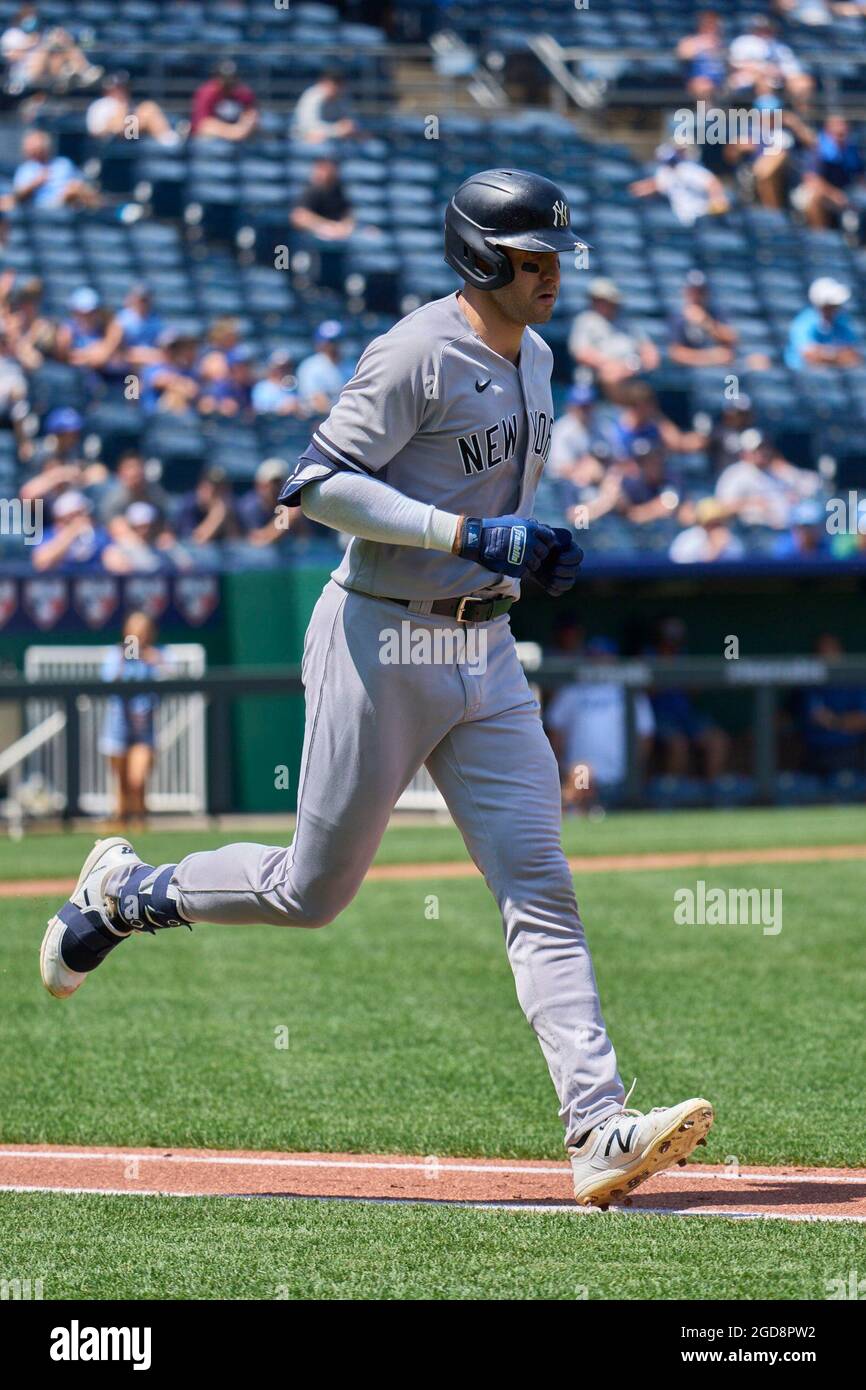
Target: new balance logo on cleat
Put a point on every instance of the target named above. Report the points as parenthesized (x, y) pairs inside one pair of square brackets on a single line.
[(624, 1146)]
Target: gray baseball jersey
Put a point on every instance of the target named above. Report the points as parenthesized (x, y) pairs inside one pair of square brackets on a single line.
[(441, 417), (446, 421)]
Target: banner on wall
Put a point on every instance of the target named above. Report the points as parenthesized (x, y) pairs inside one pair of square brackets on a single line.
[(76, 603)]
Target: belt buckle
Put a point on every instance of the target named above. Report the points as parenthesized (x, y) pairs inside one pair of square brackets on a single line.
[(460, 615)]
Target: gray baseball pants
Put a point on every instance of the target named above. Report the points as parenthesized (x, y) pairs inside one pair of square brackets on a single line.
[(475, 724)]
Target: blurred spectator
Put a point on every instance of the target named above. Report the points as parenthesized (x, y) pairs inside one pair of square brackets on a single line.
[(43, 59), (808, 535), (31, 336), (323, 210), (580, 436), (13, 383), (277, 393), (219, 394), (242, 375), (682, 729), (569, 634), (762, 148), (690, 188), (597, 341), (636, 487), (586, 724), (131, 484), (817, 12), (224, 108), (256, 508), (723, 445), (758, 54), (47, 180), (833, 718), (323, 113), (53, 478), (322, 375), (823, 336), (833, 169), (706, 55), (62, 438), (114, 115), (134, 332), (641, 419), (80, 338), (698, 339), (142, 545), (73, 542), (644, 493), (172, 384), (57, 462), (224, 334), (710, 538), (208, 513), (701, 339), (762, 489), (128, 737)]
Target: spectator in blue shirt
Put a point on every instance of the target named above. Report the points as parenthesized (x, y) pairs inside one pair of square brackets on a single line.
[(138, 328), (681, 728), (257, 508), (641, 419), (173, 383), (833, 718), (822, 336), (808, 535), (322, 376), (73, 544), (833, 167), (80, 336), (698, 337), (276, 393), (208, 513), (705, 53), (46, 180)]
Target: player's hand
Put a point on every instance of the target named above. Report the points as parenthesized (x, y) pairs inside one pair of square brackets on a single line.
[(513, 545), (558, 571)]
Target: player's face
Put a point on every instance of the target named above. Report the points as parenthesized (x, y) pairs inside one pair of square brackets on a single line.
[(533, 292)]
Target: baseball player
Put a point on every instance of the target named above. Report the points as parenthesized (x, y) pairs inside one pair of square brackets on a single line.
[(430, 460)]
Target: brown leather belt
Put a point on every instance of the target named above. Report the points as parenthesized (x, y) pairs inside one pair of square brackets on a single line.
[(466, 610)]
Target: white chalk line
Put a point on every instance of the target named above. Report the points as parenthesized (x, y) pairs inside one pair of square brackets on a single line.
[(523, 1208), (407, 1165)]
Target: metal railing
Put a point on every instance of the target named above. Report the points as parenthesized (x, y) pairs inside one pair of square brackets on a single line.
[(763, 677)]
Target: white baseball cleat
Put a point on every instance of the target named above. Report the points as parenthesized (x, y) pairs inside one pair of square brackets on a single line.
[(81, 935), (626, 1149)]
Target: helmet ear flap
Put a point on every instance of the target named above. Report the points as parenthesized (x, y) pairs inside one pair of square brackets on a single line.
[(468, 253)]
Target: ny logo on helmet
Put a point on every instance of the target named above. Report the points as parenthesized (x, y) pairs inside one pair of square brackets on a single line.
[(560, 214)]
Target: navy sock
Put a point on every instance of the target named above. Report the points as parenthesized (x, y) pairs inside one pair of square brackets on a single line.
[(142, 898)]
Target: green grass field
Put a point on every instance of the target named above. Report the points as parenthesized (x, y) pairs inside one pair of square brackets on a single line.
[(405, 1036)]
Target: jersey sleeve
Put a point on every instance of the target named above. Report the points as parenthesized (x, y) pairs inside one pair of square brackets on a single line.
[(378, 412)]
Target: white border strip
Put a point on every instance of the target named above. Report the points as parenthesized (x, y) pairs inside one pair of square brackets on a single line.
[(696, 1171)]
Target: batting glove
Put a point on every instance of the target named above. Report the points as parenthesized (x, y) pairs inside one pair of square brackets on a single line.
[(558, 571), (511, 545)]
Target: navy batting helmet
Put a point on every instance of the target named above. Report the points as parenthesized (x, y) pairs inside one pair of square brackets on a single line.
[(504, 207)]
